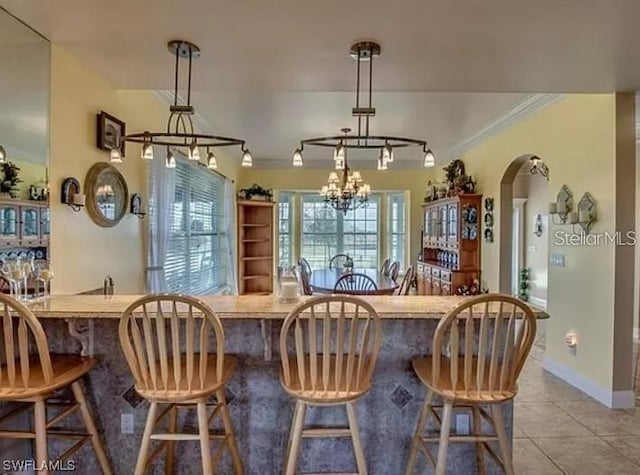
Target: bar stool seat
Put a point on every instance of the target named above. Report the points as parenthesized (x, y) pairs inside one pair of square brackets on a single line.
[(34, 378), (335, 394), (176, 393), (442, 385)]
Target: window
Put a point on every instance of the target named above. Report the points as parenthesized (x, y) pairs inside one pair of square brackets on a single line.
[(195, 260), (396, 228), (285, 228), (326, 232)]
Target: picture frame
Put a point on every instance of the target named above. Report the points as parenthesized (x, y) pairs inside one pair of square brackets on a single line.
[(110, 132)]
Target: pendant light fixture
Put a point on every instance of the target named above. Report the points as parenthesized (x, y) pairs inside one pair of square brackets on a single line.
[(212, 161), (180, 133), (365, 51)]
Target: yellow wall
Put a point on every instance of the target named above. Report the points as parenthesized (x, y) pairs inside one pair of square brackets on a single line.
[(82, 253), (414, 181), (576, 138)]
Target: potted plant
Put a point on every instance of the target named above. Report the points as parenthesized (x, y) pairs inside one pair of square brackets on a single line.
[(10, 180), (256, 192)]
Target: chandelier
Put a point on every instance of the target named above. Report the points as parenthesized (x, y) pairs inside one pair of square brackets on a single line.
[(180, 133), (348, 192), (384, 144)]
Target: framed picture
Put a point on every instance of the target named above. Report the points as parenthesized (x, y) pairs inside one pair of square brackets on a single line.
[(110, 132)]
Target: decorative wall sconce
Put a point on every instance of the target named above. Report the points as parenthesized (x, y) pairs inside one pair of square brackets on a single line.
[(136, 206), (587, 213), (562, 206), (70, 194), (537, 226)]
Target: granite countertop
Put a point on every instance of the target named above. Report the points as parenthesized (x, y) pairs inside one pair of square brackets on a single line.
[(247, 306)]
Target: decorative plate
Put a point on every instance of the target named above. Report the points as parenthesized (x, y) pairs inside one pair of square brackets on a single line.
[(472, 217), (488, 204), (488, 235), (473, 233), (488, 219)]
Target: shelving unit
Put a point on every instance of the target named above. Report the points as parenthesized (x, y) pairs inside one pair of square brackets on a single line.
[(255, 247)]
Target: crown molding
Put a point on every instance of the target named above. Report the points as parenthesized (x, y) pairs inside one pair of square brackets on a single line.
[(526, 107)]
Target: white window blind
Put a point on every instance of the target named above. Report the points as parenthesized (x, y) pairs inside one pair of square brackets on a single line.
[(397, 228), (326, 232), (195, 260), (285, 228)]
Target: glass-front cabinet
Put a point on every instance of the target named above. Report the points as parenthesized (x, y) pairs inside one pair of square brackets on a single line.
[(29, 224), (452, 232), (45, 223), (9, 232)]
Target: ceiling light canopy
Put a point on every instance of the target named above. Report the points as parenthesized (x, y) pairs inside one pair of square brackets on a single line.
[(385, 144), (180, 133)]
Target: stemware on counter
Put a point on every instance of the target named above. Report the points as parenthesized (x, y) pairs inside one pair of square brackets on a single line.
[(28, 278)]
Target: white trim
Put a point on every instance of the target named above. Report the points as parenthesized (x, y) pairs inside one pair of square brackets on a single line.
[(538, 302), (526, 107), (611, 399), (636, 333)]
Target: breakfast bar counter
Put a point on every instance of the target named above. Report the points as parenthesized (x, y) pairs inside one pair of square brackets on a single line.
[(260, 409)]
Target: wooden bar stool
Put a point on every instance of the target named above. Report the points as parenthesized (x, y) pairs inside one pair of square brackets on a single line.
[(32, 380), (152, 331), (335, 345), (478, 368)]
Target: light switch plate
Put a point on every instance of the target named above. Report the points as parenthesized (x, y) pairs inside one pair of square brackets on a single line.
[(557, 260)]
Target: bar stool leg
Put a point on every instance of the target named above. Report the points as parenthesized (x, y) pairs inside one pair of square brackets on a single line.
[(205, 447), (477, 430), (503, 441), (171, 445), (141, 464), (228, 430), (445, 429), (422, 424), (296, 439), (355, 435), (78, 394), (40, 420), (291, 430)]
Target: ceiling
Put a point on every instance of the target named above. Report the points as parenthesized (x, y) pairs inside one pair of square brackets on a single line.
[(275, 72)]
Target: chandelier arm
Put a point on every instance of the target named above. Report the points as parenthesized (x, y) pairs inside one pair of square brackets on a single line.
[(370, 89), (189, 81), (175, 81), (334, 140)]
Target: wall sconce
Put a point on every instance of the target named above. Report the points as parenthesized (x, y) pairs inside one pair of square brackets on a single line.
[(562, 206), (537, 226), (136, 206), (587, 213), (70, 194)]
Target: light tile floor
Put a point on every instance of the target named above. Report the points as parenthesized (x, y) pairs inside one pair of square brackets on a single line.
[(559, 429)]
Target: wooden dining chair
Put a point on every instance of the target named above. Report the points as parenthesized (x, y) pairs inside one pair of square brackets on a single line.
[(304, 264), (384, 270), (355, 284), (153, 329), (329, 346), (478, 353), (305, 278), (338, 261), (407, 281), (31, 379), (394, 270)]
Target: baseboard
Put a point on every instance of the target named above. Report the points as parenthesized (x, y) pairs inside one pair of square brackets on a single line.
[(611, 399), (538, 302)]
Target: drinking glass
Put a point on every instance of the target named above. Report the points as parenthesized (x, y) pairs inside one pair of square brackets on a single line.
[(44, 274), (13, 271)]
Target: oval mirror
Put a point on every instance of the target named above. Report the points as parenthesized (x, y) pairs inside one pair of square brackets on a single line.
[(107, 194)]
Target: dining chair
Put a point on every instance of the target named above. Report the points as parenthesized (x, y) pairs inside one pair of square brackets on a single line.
[(479, 350), (329, 346), (338, 261), (304, 264), (152, 331), (355, 284), (394, 270), (384, 270), (305, 278), (31, 379), (407, 281)]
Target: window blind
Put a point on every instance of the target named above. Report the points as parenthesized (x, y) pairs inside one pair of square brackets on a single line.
[(195, 262)]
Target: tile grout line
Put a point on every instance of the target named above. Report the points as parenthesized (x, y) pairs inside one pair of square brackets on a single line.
[(548, 457)]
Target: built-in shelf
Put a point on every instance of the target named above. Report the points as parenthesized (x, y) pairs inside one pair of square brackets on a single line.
[(255, 225), (257, 258), (257, 293), (257, 276), (249, 241)]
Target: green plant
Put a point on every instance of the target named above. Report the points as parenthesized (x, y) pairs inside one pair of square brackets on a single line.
[(524, 285), (453, 170), (256, 190), (10, 179)]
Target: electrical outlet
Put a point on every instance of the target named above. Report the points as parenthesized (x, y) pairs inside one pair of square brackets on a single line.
[(126, 423), (463, 422)]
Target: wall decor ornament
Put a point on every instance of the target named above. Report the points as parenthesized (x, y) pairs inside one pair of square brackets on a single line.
[(587, 213), (71, 194), (560, 209), (110, 136), (135, 207), (537, 226), (106, 194)]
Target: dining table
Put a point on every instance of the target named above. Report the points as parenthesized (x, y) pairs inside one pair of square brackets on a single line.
[(323, 281)]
